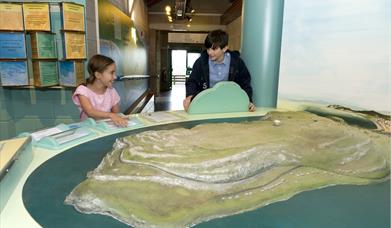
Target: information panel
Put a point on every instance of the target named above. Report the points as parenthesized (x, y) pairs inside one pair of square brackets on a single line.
[(12, 45), (36, 16), (71, 73), (11, 17), (45, 73), (14, 73), (43, 45), (73, 17), (75, 45)]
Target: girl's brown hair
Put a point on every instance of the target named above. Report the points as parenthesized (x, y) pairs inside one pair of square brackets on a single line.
[(97, 63)]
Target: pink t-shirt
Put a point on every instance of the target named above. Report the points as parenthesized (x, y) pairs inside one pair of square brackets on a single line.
[(102, 102)]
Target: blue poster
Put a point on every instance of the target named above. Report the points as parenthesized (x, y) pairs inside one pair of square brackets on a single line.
[(67, 73), (13, 73), (12, 45), (55, 18)]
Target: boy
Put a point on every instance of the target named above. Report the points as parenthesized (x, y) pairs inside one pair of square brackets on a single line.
[(217, 64)]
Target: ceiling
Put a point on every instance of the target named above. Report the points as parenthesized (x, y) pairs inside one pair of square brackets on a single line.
[(200, 6), (207, 16)]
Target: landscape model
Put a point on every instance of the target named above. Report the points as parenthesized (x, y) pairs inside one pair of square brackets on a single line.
[(182, 177)]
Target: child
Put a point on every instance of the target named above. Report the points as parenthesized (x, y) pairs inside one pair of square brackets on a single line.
[(97, 98), (216, 64)]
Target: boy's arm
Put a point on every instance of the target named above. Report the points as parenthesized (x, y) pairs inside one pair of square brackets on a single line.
[(244, 79), (186, 102), (194, 79), (192, 84)]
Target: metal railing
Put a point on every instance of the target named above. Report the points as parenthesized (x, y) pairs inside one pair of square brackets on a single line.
[(179, 79)]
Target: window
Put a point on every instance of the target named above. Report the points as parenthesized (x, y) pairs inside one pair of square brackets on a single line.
[(178, 61), (182, 64), (191, 58)]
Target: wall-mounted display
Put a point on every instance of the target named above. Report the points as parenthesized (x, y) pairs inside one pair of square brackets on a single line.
[(12, 45), (121, 40), (14, 73), (35, 36), (36, 16), (43, 45), (11, 17), (71, 73), (75, 45), (73, 17), (45, 73)]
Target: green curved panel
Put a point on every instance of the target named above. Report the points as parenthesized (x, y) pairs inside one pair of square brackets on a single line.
[(222, 98)]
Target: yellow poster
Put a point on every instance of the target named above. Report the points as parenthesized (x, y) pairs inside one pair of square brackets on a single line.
[(36, 16), (73, 17), (75, 45), (11, 17)]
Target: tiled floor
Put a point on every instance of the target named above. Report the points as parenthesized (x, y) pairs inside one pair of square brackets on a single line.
[(167, 101)]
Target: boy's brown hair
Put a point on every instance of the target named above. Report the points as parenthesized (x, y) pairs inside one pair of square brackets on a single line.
[(215, 39)]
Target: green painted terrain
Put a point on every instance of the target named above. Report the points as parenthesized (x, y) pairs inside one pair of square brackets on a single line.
[(181, 177)]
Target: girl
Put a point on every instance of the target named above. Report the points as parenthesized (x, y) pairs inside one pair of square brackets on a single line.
[(97, 98)]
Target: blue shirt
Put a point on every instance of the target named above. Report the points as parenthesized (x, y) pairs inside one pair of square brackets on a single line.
[(219, 71)]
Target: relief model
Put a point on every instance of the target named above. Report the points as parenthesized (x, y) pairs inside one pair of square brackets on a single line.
[(181, 177)]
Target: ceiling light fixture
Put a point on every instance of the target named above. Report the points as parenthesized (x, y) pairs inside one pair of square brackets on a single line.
[(180, 11)]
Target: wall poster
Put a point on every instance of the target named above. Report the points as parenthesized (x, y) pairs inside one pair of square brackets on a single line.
[(45, 73), (73, 17), (43, 45), (14, 73), (75, 45), (12, 45), (71, 73), (36, 16), (11, 17)]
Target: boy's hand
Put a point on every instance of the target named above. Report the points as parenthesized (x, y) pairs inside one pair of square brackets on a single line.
[(119, 120), (186, 102), (251, 107)]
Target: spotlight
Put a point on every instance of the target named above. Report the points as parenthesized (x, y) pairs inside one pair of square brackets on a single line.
[(168, 8)]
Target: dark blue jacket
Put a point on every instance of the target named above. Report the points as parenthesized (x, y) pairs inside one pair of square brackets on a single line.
[(199, 77)]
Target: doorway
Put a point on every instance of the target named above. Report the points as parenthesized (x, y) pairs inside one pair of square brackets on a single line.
[(182, 62), (176, 65)]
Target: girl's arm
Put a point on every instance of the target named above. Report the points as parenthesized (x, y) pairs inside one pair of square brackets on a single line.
[(115, 108), (118, 120), (96, 114)]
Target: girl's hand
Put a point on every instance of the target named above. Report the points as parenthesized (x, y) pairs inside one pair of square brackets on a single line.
[(119, 120)]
